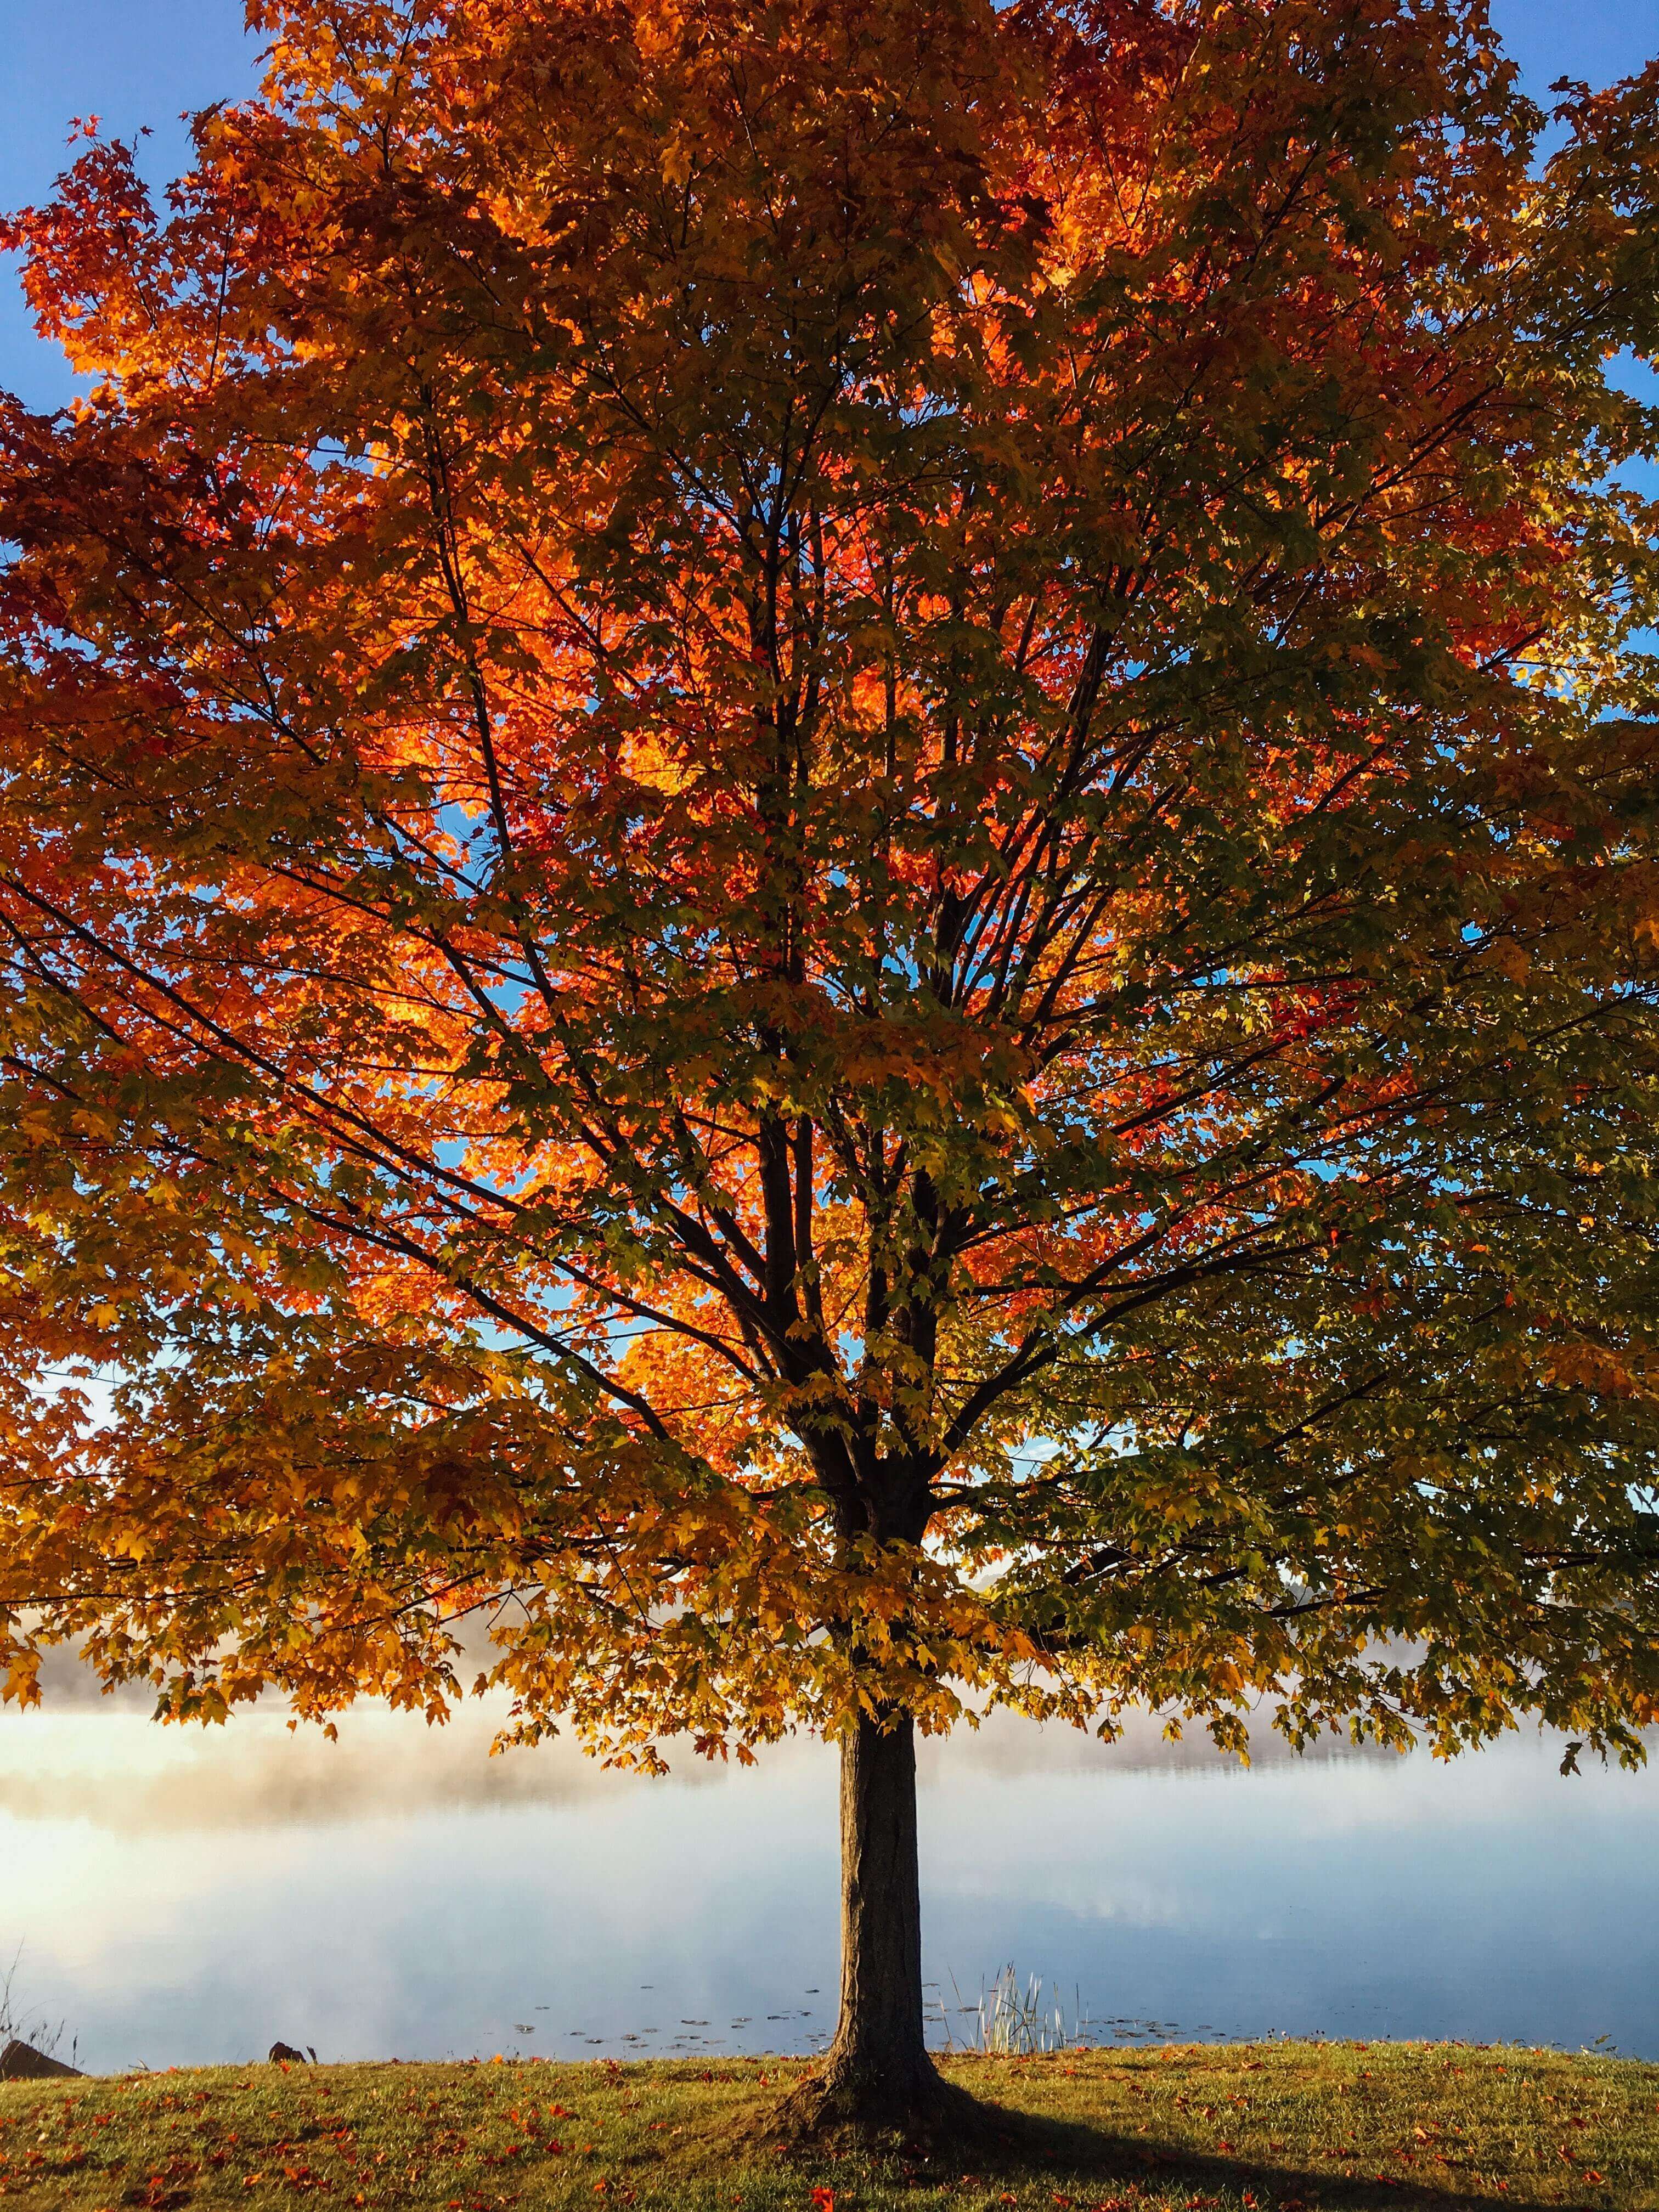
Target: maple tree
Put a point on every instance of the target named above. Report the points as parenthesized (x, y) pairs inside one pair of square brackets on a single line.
[(829, 863)]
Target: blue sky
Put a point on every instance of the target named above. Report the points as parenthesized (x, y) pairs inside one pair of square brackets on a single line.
[(137, 62)]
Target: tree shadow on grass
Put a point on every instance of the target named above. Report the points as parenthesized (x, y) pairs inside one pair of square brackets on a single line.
[(1091, 2163)]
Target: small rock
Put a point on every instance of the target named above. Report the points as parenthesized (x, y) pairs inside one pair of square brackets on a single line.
[(21, 2062), (279, 2051)]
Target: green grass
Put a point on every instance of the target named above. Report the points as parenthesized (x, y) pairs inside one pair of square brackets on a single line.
[(1269, 2128)]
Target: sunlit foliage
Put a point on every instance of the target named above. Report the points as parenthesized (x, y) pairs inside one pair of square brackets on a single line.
[(827, 856)]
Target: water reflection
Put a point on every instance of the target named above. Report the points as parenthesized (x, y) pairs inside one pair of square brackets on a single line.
[(185, 1896)]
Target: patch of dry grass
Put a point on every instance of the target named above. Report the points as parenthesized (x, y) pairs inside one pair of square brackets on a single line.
[(1269, 2128)]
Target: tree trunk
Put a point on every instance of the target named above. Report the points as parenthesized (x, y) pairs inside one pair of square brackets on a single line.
[(875, 2078), (877, 2072)]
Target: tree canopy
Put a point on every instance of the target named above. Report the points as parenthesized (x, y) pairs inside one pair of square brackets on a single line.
[(827, 854)]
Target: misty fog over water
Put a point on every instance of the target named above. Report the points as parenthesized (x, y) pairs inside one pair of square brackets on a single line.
[(187, 1897)]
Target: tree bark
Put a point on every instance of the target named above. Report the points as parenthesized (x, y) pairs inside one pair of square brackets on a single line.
[(877, 2079), (877, 2072)]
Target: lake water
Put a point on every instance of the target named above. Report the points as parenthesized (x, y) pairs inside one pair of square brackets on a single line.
[(186, 1898)]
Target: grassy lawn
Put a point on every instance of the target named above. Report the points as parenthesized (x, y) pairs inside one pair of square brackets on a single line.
[(1270, 2127)]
